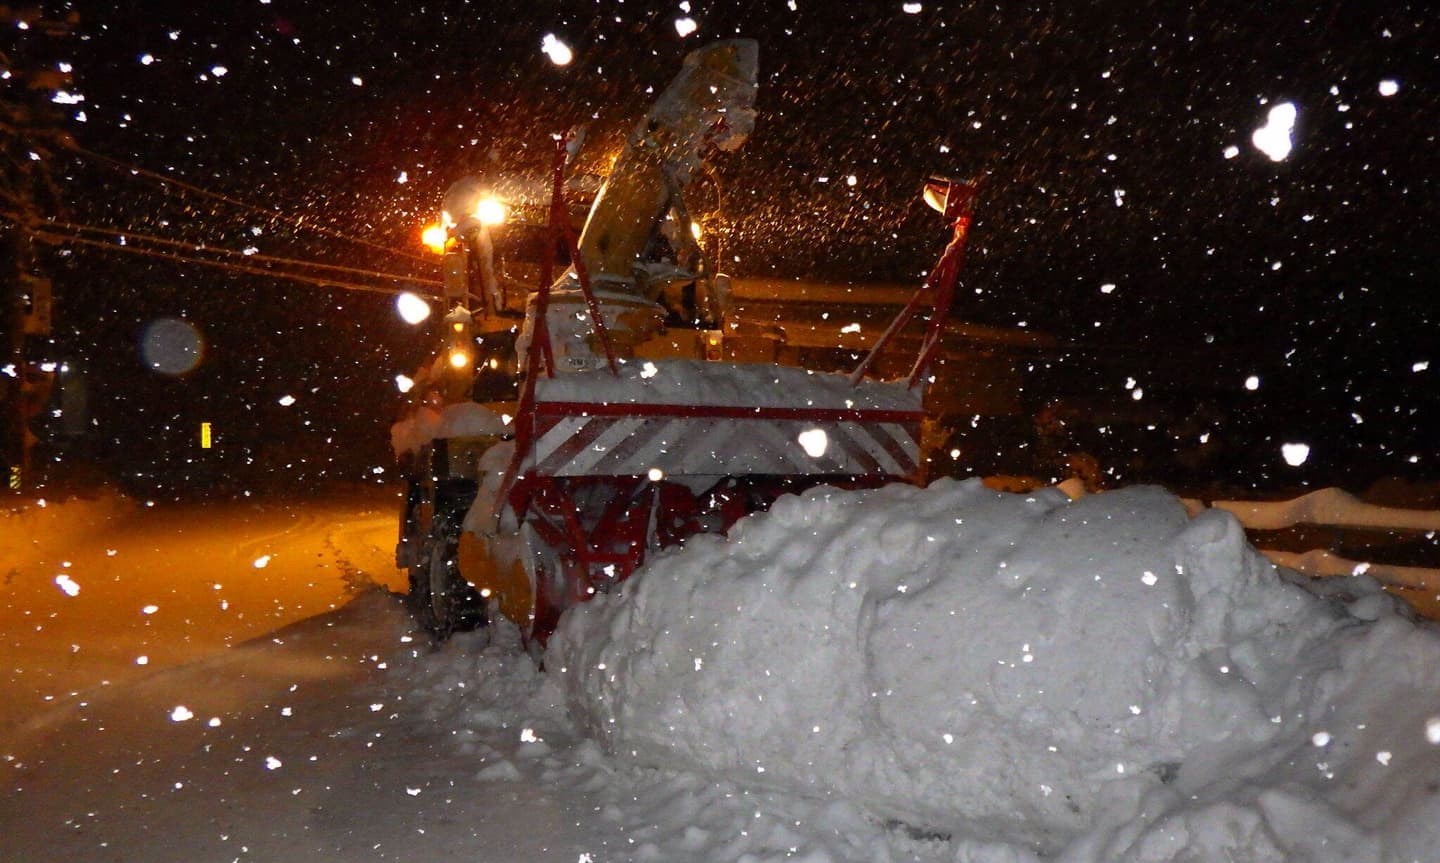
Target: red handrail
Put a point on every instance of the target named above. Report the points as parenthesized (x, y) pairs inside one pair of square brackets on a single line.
[(938, 289), (560, 223)]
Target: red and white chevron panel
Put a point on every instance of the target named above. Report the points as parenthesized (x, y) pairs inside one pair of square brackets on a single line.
[(631, 440)]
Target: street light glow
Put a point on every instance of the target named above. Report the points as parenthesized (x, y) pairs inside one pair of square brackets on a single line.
[(490, 211), (434, 237), (411, 308), (459, 359)]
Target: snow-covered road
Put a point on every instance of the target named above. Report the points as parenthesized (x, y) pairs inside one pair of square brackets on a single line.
[(346, 737), (194, 682), (288, 712), (285, 748), (96, 592)]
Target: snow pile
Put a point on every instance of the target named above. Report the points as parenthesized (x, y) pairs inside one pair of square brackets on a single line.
[(466, 419), (24, 524), (1099, 680), (414, 431), (524, 769), (695, 382)]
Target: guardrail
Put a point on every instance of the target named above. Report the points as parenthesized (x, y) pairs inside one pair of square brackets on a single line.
[(1338, 509), (1335, 508)]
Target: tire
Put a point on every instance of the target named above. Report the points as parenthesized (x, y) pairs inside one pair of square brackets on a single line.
[(441, 599)]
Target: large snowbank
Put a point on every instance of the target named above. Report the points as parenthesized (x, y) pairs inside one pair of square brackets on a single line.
[(1100, 680), (23, 525)]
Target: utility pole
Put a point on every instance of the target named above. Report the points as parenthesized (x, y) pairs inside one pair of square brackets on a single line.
[(29, 138)]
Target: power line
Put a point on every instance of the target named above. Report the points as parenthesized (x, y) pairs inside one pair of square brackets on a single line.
[(298, 223), (77, 229), (210, 262)]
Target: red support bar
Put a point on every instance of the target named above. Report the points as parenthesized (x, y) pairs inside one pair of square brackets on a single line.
[(958, 202), (540, 351), (613, 538), (947, 274), (559, 215), (895, 327), (818, 415)]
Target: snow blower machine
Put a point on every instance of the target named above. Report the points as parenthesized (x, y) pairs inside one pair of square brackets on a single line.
[(639, 417)]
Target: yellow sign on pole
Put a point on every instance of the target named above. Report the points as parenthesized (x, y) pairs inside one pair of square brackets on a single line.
[(205, 437), (16, 478)]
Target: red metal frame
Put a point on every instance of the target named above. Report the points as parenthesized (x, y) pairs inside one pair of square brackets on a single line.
[(617, 537), (585, 543), (584, 535), (540, 351), (817, 415), (582, 542)]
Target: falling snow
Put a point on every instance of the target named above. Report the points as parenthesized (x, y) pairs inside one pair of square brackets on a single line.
[(1302, 255), (1295, 454), (1274, 137), (558, 52)]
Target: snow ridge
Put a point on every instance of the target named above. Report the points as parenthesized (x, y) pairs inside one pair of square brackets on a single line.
[(1099, 680)]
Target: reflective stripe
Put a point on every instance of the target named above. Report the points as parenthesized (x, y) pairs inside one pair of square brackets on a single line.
[(709, 446)]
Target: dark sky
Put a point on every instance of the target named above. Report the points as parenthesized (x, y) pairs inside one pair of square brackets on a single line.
[(1115, 213)]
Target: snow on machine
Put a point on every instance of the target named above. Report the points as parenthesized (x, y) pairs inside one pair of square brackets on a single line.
[(641, 419)]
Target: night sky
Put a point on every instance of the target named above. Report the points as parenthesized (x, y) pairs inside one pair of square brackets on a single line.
[(1125, 209)]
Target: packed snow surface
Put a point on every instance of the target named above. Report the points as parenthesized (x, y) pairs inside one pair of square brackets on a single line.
[(695, 382), (1107, 679)]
